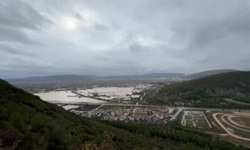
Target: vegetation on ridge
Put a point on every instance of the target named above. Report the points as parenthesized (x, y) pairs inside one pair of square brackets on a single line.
[(208, 91)]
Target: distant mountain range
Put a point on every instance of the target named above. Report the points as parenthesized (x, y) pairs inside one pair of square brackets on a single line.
[(145, 76), (79, 78)]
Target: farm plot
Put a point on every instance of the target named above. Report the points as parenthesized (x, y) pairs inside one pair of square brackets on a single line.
[(195, 119)]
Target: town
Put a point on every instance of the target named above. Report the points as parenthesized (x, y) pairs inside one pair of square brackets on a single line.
[(132, 114), (232, 124), (126, 113)]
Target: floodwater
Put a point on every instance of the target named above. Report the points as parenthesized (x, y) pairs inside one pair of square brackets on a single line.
[(68, 107), (111, 92), (65, 97)]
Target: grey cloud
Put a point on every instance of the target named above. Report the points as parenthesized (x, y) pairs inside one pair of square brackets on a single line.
[(133, 43), (209, 26), (135, 47), (16, 16), (100, 27), (14, 51), (15, 35), (103, 57), (240, 22), (78, 16), (131, 40), (123, 37)]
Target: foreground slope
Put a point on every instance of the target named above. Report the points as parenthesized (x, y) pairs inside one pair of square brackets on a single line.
[(235, 85), (26, 122)]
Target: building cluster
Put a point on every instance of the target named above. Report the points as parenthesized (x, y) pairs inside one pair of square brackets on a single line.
[(135, 114)]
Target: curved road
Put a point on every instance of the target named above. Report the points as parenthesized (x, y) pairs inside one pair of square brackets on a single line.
[(224, 128), (223, 118), (233, 122)]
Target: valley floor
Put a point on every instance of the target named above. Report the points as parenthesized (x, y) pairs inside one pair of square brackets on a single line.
[(229, 125)]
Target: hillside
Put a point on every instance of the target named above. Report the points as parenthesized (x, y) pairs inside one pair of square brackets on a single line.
[(234, 85), (26, 122), (207, 73)]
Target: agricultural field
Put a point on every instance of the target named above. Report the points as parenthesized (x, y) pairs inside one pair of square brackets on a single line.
[(236, 102)]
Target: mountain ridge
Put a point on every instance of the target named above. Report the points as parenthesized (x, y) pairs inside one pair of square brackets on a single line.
[(208, 73), (226, 85), (79, 78)]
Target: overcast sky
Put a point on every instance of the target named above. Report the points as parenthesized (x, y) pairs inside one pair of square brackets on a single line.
[(115, 37)]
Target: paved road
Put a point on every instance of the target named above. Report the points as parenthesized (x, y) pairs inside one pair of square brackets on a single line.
[(235, 123), (141, 98), (228, 115), (180, 109), (160, 106), (90, 112), (81, 95), (209, 124), (215, 109)]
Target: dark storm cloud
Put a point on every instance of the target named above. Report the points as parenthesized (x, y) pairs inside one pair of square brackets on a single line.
[(78, 16), (15, 35), (136, 47), (100, 27), (14, 51), (218, 22), (16, 16), (123, 37)]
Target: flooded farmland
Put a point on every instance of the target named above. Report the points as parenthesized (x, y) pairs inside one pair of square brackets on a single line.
[(65, 97), (93, 95)]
